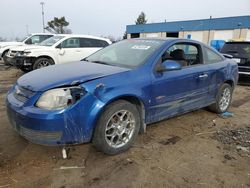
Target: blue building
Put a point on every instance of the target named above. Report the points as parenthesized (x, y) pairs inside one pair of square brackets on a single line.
[(206, 30)]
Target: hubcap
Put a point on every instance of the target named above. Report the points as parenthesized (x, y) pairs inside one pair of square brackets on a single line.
[(43, 64), (225, 99), (120, 128)]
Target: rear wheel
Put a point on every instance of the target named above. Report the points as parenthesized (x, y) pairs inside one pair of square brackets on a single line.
[(42, 62), (117, 128), (223, 99)]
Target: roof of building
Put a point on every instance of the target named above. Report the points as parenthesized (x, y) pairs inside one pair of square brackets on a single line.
[(225, 23)]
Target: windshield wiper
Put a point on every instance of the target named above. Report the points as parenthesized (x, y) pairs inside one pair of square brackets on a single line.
[(101, 62)]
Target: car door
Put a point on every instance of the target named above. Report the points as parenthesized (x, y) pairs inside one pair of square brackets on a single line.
[(69, 50), (176, 92)]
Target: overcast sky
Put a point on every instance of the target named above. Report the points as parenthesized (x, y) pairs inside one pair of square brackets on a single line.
[(109, 17)]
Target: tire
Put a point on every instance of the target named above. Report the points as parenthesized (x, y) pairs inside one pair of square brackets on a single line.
[(223, 99), (42, 62), (25, 69), (4, 57), (115, 137)]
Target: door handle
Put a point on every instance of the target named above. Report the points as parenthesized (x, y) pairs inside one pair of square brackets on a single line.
[(78, 50), (203, 76)]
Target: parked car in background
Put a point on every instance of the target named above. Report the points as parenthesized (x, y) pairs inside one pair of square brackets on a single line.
[(55, 50), (34, 38), (240, 51), (114, 93)]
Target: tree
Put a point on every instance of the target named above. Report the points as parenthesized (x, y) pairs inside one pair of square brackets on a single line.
[(141, 19), (125, 35), (58, 25)]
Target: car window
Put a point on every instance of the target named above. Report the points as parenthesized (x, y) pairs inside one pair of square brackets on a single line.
[(51, 41), (33, 40), (44, 37), (185, 54), (211, 57), (236, 47), (92, 43), (71, 43)]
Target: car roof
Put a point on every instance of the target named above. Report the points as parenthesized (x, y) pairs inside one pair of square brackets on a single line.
[(83, 36), (43, 34), (169, 39)]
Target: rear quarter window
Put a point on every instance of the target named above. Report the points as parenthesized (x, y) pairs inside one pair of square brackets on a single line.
[(211, 57), (93, 43)]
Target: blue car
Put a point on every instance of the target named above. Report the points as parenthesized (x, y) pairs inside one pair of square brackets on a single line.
[(110, 96)]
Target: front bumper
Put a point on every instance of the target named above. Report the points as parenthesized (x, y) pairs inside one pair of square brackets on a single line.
[(66, 127), (19, 61)]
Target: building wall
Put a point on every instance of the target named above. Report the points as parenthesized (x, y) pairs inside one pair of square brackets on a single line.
[(223, 34), (206, 36), (195, 35), (248, 35)]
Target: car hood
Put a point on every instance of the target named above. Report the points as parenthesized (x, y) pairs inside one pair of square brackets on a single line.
[(66, 74), (29, 47), (5, 44)]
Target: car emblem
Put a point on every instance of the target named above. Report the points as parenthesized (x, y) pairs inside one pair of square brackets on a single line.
[(18, 91)]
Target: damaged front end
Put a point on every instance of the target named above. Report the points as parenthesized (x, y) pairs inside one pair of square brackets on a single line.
[(60, 116)]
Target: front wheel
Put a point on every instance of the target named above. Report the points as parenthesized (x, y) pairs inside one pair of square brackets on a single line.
[(223, 99), (117, 128), (5, 58), (42, 62)]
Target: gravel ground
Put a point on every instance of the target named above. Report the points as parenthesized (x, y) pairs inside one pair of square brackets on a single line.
[(198, 149)]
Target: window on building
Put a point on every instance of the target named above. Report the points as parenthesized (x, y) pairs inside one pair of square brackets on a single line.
[(172, 34), (135, 35)]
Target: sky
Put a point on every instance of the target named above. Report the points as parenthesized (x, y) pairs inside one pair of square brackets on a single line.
[(108, 17)]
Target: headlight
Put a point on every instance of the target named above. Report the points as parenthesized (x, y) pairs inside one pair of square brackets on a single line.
[(23, 53), (57, 99), (26, 53)]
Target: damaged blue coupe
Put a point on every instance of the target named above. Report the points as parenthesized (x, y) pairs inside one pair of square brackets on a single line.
[(109, 97)]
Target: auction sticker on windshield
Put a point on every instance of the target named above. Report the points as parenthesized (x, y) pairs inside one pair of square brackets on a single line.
[(141, 47)]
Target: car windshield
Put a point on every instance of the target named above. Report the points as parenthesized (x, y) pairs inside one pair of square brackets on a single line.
[(51, 41), (127, 53), (236, 47)]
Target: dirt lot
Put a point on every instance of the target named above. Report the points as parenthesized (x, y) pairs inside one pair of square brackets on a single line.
[(199, 149)]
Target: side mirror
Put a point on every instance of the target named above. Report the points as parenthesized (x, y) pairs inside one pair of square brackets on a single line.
[(169, 65), (62, 51)]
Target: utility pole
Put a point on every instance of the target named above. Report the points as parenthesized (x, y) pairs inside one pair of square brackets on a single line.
[(42, 3)]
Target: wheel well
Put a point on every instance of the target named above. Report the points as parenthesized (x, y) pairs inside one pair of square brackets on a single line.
[(5, 52), (44, 56), (230, 82), (140, 107)]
